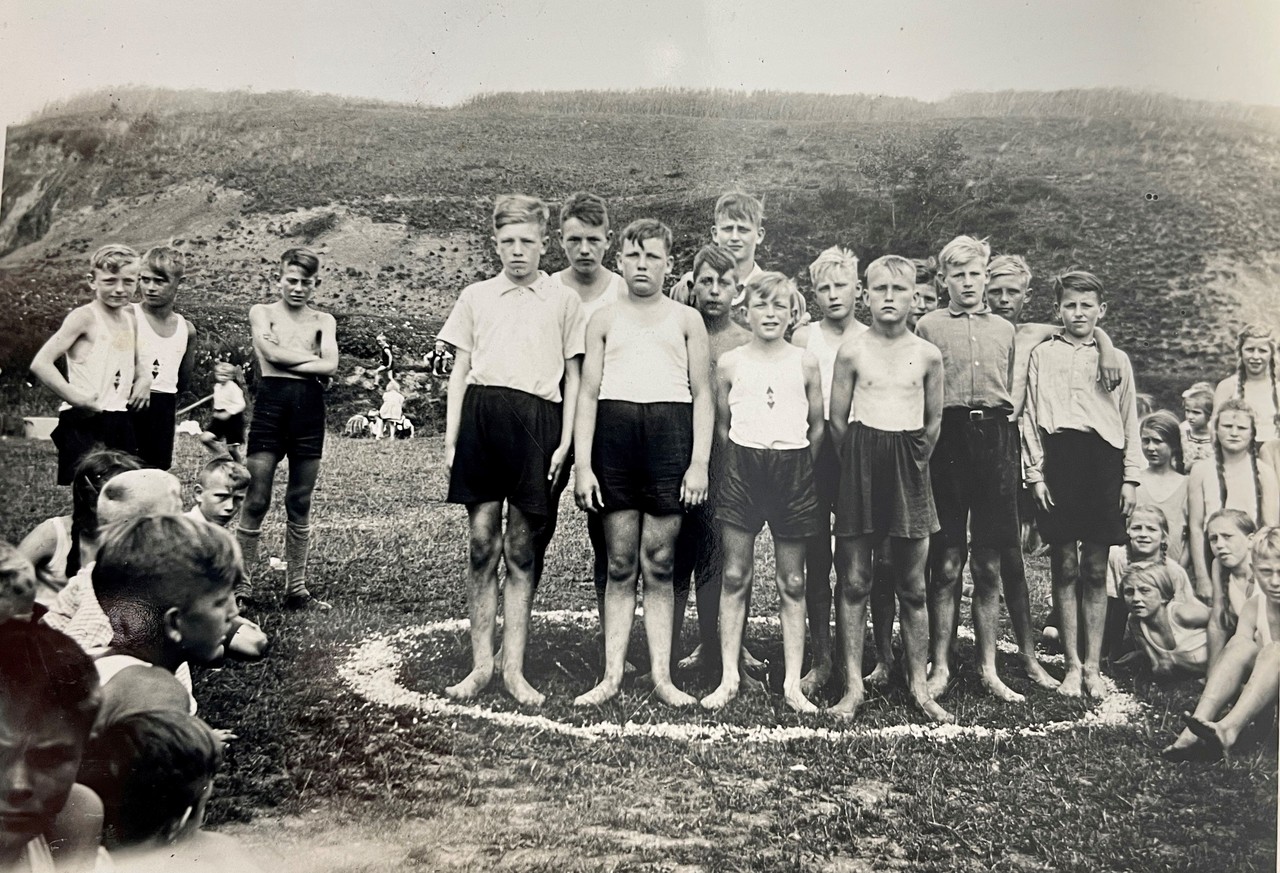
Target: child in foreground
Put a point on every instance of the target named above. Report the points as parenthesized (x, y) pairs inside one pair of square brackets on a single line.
[(643, 437), (892, 383), (1148, 543), (1169, 632), (769, 422)]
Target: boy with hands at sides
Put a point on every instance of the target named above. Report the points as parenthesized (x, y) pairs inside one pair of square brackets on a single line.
[(518, 338), (99, 340), (893, 382), (297, 350), (769, 422), (643, 439), (1083, 457)]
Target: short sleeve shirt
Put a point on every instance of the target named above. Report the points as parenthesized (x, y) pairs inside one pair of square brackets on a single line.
[(977, 351), (518, 336)]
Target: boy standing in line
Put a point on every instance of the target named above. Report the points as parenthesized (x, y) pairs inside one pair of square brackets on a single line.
[(166, 345), (99, 340), (738, 227), (643, 436), (518, 337), (892, 381), (296, 347), (1083, 457), (975, 467)]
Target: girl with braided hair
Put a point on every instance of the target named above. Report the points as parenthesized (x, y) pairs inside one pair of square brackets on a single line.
[(1234, 478), (1254, 381)]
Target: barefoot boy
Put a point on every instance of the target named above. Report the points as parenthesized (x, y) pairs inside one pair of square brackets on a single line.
[(893, 383), (769, 422), (99, 342), (975, 469), (1083, 457), (296, 347), (166, 346), (835, 285), (508, 430), (643, 433)]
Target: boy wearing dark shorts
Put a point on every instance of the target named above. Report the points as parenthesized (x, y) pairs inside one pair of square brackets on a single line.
[(1083, 457), (296, 347), (892, 380), (508, 431), (643, 437), (99, 341)]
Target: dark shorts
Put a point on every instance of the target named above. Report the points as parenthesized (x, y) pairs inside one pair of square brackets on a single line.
[(884, 488), (153, 430), (288, 418), (826, 474), (80, 432), (640, 454), (769, 486), (506, 439), (1085, 474), (976, 474), (230, 430)]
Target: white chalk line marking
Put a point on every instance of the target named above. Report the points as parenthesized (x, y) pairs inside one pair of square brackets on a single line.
[(372, 671)]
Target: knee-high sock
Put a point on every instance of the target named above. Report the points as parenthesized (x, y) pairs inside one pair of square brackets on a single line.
[(297, 544), (248, 540)]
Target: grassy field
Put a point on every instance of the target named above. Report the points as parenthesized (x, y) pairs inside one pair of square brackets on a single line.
[(324, 779)]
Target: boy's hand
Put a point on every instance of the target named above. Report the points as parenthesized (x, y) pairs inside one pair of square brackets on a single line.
[(90, 404), (693, 488), (1043, 498), (269, 336), (1128, 498), (224, 736), (557, 464), (586, 490), (1109, 370), (449, 452)]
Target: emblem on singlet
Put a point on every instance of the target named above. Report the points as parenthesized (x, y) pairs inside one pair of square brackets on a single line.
[(769, 397)]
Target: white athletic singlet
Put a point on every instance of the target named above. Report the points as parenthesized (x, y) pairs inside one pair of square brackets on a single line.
[(646, 363), (768, 407), (37, 857), (106, 370), (1261, 624), (163, 354), (51, 576)]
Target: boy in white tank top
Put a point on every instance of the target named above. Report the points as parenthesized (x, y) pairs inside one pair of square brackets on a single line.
[(166, 347), (893, 381), (99, 342), (643, 438), (769, 423), (835, 285)]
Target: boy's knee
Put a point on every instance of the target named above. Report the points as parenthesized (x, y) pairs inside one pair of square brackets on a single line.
[(736, 578), (517, 549), (791, 585), (622, 568), (297, 507), (854, 587), (484, 550)]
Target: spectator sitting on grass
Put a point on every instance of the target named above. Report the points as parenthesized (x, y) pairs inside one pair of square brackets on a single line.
[(1171, 633), (17, 584)]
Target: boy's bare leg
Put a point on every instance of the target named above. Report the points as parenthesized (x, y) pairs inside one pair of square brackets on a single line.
[(739, 556), (944, 591), (853, 587), (909, 557), (1259, 695), (1064, 567), (789, 556), (622, 538), (1093, 612), (1227, 676), (517, 604), (657, 559), (985, 568), (883, 609), (485, 521), (817, 599), (1017, 599)]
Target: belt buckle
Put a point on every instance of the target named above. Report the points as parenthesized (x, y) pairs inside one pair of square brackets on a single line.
[(977, 414)]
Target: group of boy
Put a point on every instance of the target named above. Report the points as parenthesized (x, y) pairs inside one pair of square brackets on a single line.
[(693, 428)]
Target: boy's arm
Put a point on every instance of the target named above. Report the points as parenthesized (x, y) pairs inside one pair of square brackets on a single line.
[(586, 488), (1032, 446), (933, 399), (842, 381), (44, 364), (1193, 614), (266, 344), (813, 392), (569, 393), (1134, 462), (724, 384), (327, 363), (140, 394), (453, 404), (800, 336), (1109, 366), (1204, 587), (187, 366), (693, 488), (1268, 498)]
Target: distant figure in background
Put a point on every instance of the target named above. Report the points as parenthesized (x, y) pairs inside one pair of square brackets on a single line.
[(439, 361), (225, 432), (165, 346), (391, 413), (99, 341), (386, 360), (1197, 410)]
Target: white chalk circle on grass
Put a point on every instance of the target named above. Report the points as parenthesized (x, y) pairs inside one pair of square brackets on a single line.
[(372, 670)]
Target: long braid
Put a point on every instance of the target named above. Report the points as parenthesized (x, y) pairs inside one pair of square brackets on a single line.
[(1257, 480), (1222, 474), (1275, 396)]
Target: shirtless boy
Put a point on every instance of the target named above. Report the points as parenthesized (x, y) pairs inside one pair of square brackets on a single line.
[(296, 347)]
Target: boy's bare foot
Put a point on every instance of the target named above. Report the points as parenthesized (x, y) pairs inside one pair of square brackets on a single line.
[(721, 697), (1217, 740), (751, 664), (848, 705), (694, 660), (1095, 686), (880, 675), (813, 681), (997, 689), (934, 711), (1071, 683), (1186, 747), (520, 689), (472, 685), (669, 694), (603, 692), (797, 700), (1037, 673), (939, 679)]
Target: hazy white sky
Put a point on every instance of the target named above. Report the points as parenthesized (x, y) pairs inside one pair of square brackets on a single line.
[(440, 51)]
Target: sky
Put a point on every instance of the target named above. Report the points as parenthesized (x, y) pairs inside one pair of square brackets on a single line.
[(439, 52)]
